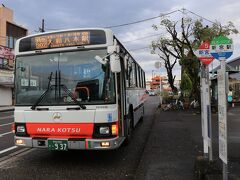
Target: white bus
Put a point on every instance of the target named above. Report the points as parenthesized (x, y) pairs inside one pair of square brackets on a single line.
[(76, 89)]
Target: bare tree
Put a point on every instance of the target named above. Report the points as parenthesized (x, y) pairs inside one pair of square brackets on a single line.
[(168, 60), (179, 42)]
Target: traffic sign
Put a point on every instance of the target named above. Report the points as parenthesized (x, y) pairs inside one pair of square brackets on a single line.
[(221, 47), (203, 53)]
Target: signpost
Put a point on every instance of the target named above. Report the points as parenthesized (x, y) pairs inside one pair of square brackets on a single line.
[(221, 48), (206, 58)]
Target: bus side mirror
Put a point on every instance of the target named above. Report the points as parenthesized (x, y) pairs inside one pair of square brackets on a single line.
[(115, 63)]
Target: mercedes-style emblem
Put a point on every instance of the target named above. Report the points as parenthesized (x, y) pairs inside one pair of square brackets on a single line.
[(57, 116)]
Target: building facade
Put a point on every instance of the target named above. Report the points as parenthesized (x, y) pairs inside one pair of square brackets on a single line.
[(9, 33), (233, 71), (234, 78), (165, 86)]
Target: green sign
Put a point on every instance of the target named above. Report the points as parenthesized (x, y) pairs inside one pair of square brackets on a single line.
[(221, 40), (221, 47)]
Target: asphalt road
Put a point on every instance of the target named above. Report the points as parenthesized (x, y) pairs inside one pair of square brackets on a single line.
[(6, 136), (117, 164), (163, 146)]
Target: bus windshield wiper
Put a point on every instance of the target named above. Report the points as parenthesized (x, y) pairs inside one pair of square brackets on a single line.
[(58, 86), (69, 93), (44, 93)]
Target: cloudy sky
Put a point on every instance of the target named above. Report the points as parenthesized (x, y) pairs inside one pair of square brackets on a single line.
[(62, 14)]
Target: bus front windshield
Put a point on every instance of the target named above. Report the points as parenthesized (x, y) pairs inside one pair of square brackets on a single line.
[(79, 72)]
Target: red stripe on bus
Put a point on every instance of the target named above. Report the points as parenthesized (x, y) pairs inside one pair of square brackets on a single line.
[(60, 129), (61, 137)]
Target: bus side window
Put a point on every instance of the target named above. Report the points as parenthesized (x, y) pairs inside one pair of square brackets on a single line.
[(126, 67)]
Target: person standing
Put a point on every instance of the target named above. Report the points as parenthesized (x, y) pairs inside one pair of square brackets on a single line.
[(230, 97)]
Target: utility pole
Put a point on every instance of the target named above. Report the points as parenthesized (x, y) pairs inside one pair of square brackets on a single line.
[(42, 29)]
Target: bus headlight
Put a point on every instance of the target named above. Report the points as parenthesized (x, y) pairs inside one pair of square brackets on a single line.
[(21, 129), (104, 130)]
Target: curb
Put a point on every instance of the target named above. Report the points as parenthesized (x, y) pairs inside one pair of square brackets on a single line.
[(14, 155), (212, 170), (6, 110)]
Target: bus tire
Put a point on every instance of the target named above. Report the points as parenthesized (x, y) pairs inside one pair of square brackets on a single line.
[(129, 127)]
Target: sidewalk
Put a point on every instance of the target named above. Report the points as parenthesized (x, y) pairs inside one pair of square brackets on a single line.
[(174, 143), (6, 108), (172, 147)]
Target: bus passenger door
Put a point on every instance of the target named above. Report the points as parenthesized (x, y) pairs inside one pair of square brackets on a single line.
[(121, 91)]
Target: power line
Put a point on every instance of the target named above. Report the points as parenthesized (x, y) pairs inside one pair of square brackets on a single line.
[(182, 10), (144, 37), (143, 20), (135, 22), (151, 18), (139, 21)]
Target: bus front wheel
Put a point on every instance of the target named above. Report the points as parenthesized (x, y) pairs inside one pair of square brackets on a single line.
[(129, 128)]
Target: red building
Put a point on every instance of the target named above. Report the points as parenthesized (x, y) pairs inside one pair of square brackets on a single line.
[(154, 84)]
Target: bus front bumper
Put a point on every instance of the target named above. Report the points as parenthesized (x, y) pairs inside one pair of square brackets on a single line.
[(84, 144)]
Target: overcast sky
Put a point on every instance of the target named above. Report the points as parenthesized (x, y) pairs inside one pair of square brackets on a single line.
[(62, 14)]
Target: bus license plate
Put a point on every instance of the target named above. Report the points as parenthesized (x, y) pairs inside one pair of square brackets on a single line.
[(58, 145)]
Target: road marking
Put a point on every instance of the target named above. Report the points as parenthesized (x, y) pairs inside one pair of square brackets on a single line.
[(15, 156), (1, 125), (6, 117), (1, 135), (8, 149)]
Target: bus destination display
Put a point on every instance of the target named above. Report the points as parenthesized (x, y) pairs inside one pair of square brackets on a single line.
[(62, 39)]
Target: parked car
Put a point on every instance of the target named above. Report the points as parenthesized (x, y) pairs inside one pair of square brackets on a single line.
[(152, 93), (170, 93)]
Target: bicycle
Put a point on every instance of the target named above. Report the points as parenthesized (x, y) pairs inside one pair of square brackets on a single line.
[(174, 105), (194, 104)]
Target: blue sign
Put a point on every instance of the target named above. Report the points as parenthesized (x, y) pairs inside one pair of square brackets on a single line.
[(221, 47), (225, 55), (109, 117)]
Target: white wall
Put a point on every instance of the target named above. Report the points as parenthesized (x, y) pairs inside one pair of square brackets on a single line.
[(5, 96)]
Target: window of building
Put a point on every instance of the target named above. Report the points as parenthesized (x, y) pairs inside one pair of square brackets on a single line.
[(13, 33)]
